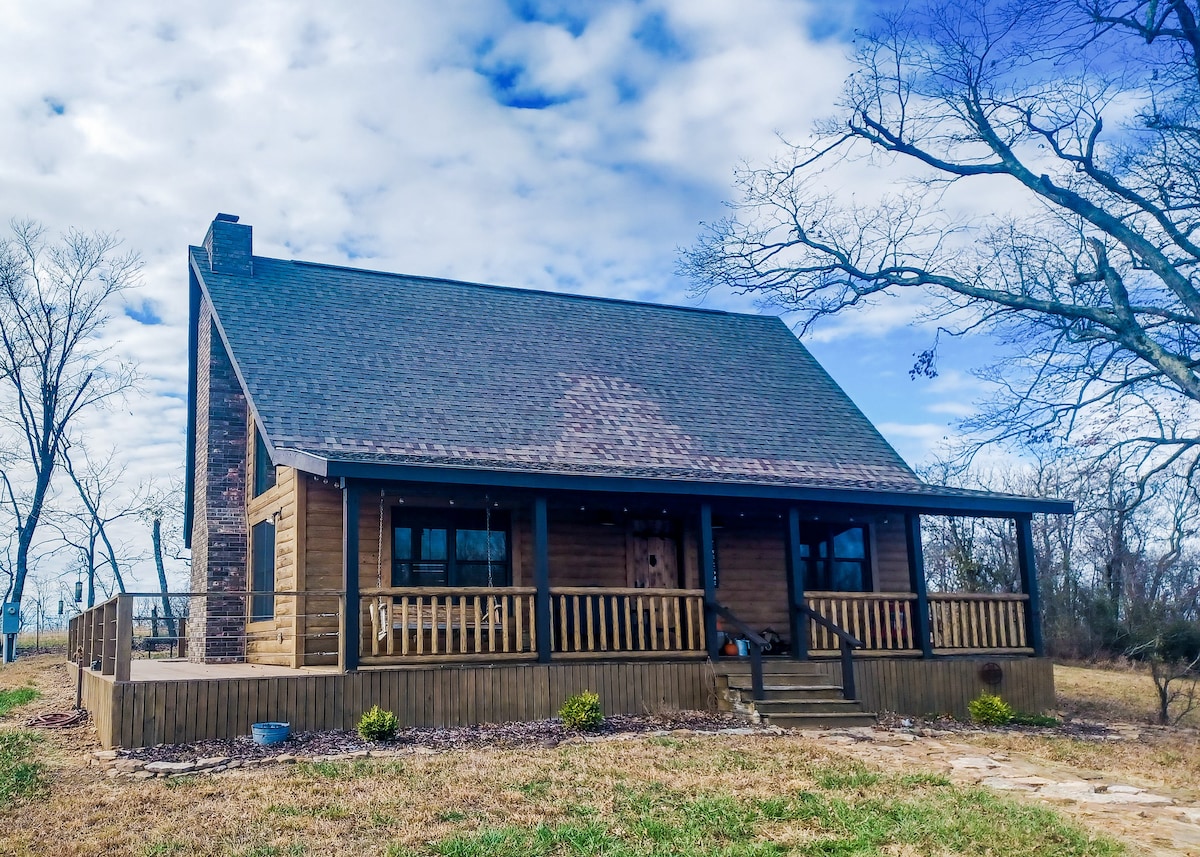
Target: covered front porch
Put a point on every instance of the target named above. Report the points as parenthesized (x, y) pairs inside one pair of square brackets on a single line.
[(489, 573)]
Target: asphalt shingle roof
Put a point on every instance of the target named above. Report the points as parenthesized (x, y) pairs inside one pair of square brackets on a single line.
[(357, 365)]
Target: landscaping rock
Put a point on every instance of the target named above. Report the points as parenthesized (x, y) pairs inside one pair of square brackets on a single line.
[(171, 767)]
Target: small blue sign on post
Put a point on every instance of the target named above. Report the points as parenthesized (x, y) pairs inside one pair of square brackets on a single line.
[(10, 623)]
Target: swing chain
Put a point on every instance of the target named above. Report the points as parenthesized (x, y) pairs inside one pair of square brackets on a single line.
[(487, 522), (379, 550)]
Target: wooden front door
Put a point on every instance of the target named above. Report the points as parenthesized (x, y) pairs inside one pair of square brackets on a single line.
[(655, 562)]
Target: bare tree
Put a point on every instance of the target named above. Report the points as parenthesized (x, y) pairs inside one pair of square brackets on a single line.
[(54, 301), (163, 510), (99, 486), (1082, 113)]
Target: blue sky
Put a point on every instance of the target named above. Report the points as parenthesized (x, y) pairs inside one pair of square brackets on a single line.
[(570, 146)]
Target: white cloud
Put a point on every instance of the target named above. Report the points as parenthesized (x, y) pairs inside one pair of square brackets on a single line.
[(376, 134)]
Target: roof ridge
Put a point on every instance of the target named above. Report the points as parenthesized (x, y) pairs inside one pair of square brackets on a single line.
[(525, 289)]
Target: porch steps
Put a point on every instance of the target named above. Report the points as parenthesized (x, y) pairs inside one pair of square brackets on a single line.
[(797, 695)]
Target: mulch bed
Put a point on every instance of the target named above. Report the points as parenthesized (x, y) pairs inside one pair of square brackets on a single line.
[(1080, 729), (543, 733)]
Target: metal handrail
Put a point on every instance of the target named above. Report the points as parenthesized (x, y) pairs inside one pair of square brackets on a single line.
[(848, 643), (757, 644)]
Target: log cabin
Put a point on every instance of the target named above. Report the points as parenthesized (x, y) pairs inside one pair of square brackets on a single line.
[(464, 502)]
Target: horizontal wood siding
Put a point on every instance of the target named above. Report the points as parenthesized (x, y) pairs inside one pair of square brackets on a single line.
[(273, 641), (139, 714), (322, 563), (751, 579), (890, 554), (583, 553)]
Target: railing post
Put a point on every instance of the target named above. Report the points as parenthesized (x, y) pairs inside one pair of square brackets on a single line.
[(541, 578), (1027, 563), (708, 573), (756, 673), (795, 571), (916, 578), (351, 610), (849, 691), (124, 638)]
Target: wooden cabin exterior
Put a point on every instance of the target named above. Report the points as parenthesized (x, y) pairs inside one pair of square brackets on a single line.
[(390, 474)]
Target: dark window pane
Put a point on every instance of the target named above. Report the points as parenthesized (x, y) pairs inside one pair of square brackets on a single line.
[(847, 576), (477, 545), (848, 544), (262, 559), (402, 546), (814, 575), (476, 574), (264, 470), (433, 544)]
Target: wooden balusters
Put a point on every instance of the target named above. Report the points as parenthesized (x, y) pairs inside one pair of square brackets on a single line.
[(977, 621)]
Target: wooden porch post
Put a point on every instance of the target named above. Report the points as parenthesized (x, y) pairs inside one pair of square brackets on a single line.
[(1027, 562), (795, 578), (708, 574), (351, 610), (916, 578), (541, 578)]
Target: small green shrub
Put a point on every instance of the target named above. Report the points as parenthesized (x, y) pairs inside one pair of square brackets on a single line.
[(582, 711), (990, 710), (378, 725)]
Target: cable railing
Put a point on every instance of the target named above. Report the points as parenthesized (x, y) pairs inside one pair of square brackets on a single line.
[(282, 628)]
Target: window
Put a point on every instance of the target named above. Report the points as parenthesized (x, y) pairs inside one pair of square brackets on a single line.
[(835, 557), (264, 470), (262, 569), (450, 549)]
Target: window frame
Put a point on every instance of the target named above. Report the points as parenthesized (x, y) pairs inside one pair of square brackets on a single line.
[(814, 535), (263, 475), (261, 603), (452, 520)]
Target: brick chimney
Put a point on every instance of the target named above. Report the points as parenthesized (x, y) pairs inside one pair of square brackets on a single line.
[(229, 245)]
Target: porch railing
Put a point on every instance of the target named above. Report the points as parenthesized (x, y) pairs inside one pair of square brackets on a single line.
[(436, 621), (885, 621), (978, 621), (428, 623), (882, 621), (592, 620)]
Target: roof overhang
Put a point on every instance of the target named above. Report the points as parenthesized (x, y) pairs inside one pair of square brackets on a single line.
[(929, 501)]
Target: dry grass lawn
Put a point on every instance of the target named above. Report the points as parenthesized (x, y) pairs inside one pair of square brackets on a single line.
[(728, 795), (1112, 692)]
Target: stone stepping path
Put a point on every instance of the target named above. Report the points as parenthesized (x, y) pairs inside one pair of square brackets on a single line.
[(1150, 822)]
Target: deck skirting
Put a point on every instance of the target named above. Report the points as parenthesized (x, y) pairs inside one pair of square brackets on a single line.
[(143, 713)]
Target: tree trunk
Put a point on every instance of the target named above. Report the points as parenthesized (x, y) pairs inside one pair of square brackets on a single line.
[(156, 539)]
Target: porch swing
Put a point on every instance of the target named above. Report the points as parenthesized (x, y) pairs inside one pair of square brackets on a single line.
[(382, 610)]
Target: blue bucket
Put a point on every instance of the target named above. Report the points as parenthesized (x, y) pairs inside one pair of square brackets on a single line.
[(270, 733)]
